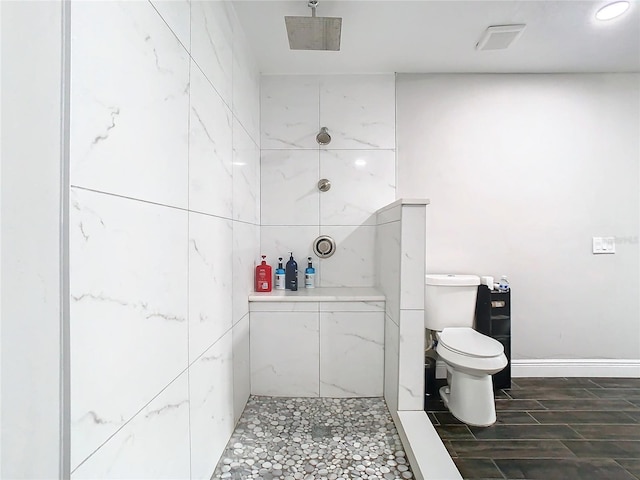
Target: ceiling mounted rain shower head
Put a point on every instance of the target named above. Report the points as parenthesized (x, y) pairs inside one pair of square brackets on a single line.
[(314, 33)]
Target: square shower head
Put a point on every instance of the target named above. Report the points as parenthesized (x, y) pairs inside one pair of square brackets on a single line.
[(314, 33)]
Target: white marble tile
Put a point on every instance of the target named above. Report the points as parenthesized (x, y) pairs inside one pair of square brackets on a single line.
[(362, 181), (351, 306), (289, 109), (246, 176), (359, 110), (212, 43), (210, 281), (289, 187), (153, 445), (241, 366), (428, 456), (388, 266), (246, 245), (284, 306), (284, 354), (413, 257), (411, 360), (392, 214), (391, 351), (129, 103), (246, 86), (210, 149), (354, 263), (128, 310), (279, 241), (211, 404), (177, 14), (351, 354)]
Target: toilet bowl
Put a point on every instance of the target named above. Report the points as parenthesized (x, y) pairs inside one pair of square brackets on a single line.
[(469, 356)]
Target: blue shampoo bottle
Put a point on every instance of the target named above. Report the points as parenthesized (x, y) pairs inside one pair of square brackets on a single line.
[(291, 274)]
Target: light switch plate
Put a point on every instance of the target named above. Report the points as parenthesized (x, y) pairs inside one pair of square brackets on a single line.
[(604, 245)]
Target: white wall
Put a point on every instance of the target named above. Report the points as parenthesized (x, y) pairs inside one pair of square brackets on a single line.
[(32, 240), (521, 171), (359, 112), (164, 232)]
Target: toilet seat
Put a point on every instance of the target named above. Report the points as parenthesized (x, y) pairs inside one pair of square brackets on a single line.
[(467, 341), (483, 355)]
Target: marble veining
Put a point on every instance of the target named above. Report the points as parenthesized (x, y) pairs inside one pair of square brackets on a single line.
[(246, 240), (128, 309), (314, 438), (289, 195), (164, 113), (212, 44), (353, 264), (123, 117), (210, 149), (246, 176), (211, 415), (115, 111), (360, 110), (351, 354), (362, 181), (154, 444), (210, 280), (177, 15), (284, 354), (289, 112)]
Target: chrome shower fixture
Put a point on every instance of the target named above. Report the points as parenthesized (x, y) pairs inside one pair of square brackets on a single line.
[(314, 33), (323, 138)]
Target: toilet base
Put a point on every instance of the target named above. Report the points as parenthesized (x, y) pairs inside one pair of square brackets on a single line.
[(469, 398)]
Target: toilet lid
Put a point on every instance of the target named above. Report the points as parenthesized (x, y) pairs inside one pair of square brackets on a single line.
[(466, 341)]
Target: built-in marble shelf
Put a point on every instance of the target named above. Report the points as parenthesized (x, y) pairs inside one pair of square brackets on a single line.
[(322, 294)]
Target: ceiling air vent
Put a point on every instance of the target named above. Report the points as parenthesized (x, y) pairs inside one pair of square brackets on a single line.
[(498, 37)]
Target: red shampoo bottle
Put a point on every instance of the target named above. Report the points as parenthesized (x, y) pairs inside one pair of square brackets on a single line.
[(264, 278)]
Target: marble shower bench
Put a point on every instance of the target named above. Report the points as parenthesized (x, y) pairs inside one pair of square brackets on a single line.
[(321, 342)]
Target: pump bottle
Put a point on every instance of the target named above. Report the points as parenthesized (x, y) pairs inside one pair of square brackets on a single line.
[(263, 276), (503, 286), (291, 274), (280, 275), (310, 275)]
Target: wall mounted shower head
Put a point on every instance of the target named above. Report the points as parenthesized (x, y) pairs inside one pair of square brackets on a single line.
[(314, 33)]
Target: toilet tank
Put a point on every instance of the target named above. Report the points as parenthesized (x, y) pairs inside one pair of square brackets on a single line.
[(450, 300)]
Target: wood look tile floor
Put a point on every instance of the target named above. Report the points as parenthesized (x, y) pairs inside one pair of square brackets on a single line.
[(550, 429)]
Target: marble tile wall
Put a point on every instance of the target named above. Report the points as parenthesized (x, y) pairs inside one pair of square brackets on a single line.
[(317, 349), (165, 175), (401, 249), (359, 112)]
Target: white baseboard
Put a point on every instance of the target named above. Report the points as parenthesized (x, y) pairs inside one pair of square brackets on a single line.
[(567, 368), (576, 368)]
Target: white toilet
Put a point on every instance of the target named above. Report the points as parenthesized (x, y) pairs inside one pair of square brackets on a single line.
[(470, 357)]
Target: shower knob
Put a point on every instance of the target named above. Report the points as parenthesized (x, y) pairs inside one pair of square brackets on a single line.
[(324, 246), (324, 185)]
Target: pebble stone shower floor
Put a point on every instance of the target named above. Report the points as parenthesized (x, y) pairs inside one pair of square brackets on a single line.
[(314, 439)]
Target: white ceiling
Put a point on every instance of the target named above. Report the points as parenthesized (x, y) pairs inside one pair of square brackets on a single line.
[(423, 36)]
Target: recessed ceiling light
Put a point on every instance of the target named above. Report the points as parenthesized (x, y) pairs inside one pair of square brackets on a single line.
[(612, 10)]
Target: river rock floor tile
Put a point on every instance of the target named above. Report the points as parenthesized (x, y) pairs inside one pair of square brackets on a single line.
[(314, 439)]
